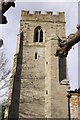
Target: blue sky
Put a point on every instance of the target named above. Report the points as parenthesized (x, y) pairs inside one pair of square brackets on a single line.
[(9, 31)]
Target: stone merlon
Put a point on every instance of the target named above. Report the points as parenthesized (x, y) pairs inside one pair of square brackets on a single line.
[(37, 12), (48, 16), (49, 12)]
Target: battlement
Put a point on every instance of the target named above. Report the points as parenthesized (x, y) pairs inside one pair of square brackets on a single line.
[(37, 12), (38, 16)]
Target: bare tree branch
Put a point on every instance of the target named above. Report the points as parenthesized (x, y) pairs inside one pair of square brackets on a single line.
[(4, 75), (7, 5), (65, 45), (4, 6)]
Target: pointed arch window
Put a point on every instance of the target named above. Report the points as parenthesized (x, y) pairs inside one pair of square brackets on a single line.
[(38, 34)]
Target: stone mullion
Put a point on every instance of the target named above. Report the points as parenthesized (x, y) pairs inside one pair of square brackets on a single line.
[(38, 35)]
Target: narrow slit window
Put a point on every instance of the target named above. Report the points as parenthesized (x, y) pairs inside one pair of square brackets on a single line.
[(35, 55), (46, 92)]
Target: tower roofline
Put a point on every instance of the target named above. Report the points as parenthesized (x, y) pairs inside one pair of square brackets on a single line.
[(38, 16), (25, 12)]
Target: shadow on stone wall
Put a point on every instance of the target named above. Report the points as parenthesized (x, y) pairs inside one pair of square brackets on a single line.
[(62, 69), (14, 107)]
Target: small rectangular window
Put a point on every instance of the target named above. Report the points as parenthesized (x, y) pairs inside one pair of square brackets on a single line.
[(46, 62), (35, 55), (46, 92)]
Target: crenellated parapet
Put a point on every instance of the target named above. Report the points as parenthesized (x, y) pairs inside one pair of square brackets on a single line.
[(38, 16)]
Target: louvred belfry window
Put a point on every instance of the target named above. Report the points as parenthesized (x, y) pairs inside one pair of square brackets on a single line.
[(38, 34)]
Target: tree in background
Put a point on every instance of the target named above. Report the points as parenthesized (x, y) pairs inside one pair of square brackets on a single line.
[(5, 71), (65, 45)]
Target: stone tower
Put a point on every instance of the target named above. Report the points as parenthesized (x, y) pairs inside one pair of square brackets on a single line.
[(39, 83)]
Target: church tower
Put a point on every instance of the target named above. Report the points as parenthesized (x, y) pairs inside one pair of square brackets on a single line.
[(39, 84)]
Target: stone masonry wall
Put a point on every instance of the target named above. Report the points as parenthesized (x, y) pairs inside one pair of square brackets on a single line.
[(32, 82), (41, 95), (75, 105), (59, 102)]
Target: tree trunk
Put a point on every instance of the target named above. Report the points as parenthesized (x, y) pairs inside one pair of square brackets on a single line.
[(65, 45)]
